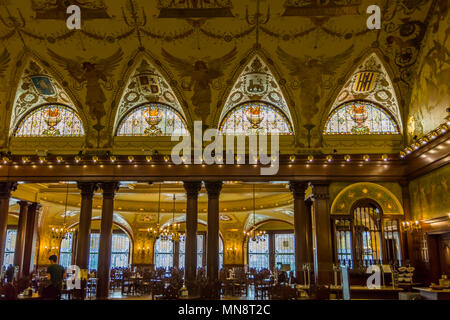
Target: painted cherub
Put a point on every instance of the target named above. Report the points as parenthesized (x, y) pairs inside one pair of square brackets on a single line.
[(91, 73), (201, 75)]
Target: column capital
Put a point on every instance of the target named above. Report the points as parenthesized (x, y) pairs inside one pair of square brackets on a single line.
[(213, 188), (298, 189), (87, 188), (109, 189), (192, 188), (34, 206), (6, 188), (320, 191), (23, 203)]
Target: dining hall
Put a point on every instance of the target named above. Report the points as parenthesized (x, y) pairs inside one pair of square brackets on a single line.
[(224, 150)]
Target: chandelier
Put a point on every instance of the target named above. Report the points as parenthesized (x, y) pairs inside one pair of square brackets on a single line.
[(64, 232), (172, 231), (155, 232), (255, 234)]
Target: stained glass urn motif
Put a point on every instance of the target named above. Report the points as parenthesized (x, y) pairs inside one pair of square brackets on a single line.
[(153, 117), (52, 118), (359, 115), (255, 115)]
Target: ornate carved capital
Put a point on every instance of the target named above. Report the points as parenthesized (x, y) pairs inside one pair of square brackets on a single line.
[(109, 189), (192, 188), (320, 191), (298, 189), (6, 188), (213, 188), (34, 207), (87, 188), (23, 204)]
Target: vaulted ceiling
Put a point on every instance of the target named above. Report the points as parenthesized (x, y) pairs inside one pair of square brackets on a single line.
[(326, 40)]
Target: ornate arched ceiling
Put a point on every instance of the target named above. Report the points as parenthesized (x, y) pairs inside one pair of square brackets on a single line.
[(324, 44), (344, 201)]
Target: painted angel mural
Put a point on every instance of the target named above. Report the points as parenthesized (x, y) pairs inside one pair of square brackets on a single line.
[(91, 73), (4, 60), (201, 74), (310, 73)]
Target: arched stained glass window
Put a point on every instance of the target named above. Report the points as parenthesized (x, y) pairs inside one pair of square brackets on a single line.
[(52, 120), (360, 117), (253, 118), (152, 119)]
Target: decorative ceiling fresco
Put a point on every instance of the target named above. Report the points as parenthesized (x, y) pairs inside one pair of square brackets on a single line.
[(429, 195), (36, 87), (371, 82), (146, 85), (311, 48), (431, 91), (256, 83), (344, 201)]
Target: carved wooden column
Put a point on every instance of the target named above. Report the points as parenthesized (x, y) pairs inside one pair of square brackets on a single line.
[(5, 194), (30, 238), (104, 256), (302, 227), (213, 189), (323, 256), (309, 236), (84, 230), (190, 262), (20, 239)]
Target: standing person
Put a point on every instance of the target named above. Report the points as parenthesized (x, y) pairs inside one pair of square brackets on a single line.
[(9, 274), (56, 274)]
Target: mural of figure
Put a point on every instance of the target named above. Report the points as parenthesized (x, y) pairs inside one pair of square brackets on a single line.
[(91, 73), (310, 73), (4, 60), (201, 75)]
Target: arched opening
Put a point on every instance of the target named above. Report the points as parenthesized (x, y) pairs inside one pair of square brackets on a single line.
[(121, 244), (274, 249), (367, 236), (165, 251)]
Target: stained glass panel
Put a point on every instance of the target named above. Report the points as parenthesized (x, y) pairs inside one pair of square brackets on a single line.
[(285, 250), (51, 120), (254, 118), (152, 119), (199, 251), (120, 251), (258, 254), (164, 254), (360, 117), (93, 250), (65, 254), (10, 246)]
